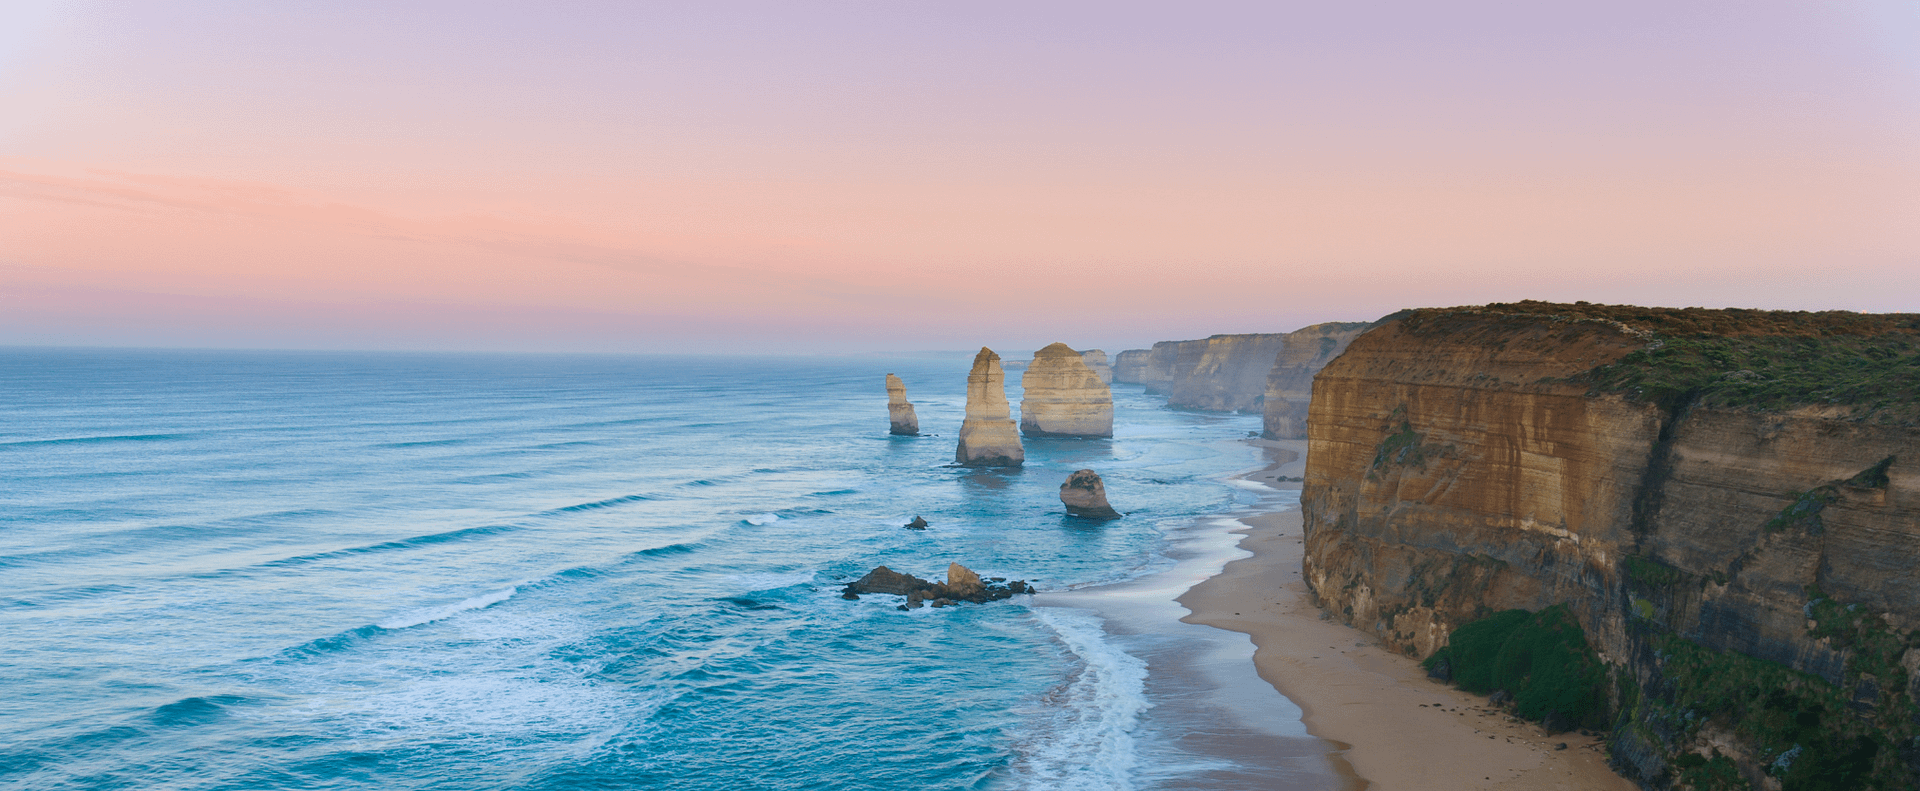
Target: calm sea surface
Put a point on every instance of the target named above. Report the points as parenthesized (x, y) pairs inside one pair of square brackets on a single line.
[(243, 570)]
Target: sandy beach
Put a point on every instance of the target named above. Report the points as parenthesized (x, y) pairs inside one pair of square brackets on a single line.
[(1397, 729)]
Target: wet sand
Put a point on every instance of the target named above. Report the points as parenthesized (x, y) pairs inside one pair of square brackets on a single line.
[(1392, 726)]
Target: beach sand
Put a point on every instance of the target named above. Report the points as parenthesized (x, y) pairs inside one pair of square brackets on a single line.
[(1397, 729)]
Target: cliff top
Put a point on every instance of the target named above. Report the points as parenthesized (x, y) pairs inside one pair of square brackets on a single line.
[(1727, 322), (1859, 366)]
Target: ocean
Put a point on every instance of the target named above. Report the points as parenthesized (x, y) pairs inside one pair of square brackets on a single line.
[(268, 570)]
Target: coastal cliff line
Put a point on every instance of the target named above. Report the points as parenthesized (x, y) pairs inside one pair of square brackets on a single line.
[(1235, 372), (1727, 503)]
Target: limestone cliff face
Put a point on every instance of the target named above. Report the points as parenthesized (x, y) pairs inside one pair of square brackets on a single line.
[(1225, 373), (1130, 366), (988, 437), (1462, 462), (1063, 397), (1235, 373), (1097, 360), (1290, 382), (1155, 368), (899, 410)]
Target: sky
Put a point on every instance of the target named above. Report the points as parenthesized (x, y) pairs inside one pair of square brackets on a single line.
[(789, 176)]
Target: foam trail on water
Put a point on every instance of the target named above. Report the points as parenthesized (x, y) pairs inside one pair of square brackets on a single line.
[(428, 616), (1090, 744)]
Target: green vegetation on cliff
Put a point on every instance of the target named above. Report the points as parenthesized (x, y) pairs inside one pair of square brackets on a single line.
[(1865, 365), (1541, 659)]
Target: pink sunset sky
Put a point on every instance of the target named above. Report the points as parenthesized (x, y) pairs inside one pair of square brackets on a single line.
[(838, 176)]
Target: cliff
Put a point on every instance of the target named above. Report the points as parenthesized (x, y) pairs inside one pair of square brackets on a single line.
[(1063, 397), (900, 416), (1728, 503), (1290, 382), (987, 435), (1237, 373), (1097, 360)]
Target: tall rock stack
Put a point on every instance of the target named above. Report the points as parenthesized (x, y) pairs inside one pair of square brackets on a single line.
[(1097, 360), (988, 437), (899, 409), (1064, 397)]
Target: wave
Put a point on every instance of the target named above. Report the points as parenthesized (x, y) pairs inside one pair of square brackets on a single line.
[(1089, 744), (193, 711), (599, 504), (425, 443), (102, 438), (761, 519), (419, 617), (389, 546)]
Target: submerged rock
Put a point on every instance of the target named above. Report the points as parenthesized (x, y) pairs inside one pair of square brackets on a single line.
[(988, 437), (962, 585), (1064, 397), (1085, 495), (899, 409)]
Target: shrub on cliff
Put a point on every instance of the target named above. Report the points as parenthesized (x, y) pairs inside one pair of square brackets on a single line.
[(1541, 659)]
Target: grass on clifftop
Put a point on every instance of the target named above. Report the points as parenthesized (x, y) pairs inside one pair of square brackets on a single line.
[(1865, 365)]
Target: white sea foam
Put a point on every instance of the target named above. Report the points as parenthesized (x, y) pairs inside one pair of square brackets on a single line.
[(418, 617), (1088, 743), (763, 519)]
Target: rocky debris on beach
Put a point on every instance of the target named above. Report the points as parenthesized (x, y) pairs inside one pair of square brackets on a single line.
[(962, 585), (1063, 397), (918, 523), (1085, 495), (988, 437), (899, 409)]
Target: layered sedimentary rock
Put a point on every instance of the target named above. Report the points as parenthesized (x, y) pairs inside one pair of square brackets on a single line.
[(1085, 495), (1235, 373), (1290, 382), (1225, 373), (1062, 397), (988, 437), (1155, 368), (1713, 497), (899, 410), (1097, 360)]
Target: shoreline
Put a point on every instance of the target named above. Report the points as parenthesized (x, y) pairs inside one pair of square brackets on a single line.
[(1391, 726)]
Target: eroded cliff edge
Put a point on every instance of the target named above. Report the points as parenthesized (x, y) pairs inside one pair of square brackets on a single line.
[(1727, 501), (1234, 373)]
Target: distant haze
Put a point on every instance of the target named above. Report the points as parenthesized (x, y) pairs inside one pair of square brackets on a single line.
[(845, 176)]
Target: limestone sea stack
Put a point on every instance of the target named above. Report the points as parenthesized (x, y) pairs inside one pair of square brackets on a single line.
[(988, 437), (1097, 360), (899, 409), (1085, 495), (1064, 397)]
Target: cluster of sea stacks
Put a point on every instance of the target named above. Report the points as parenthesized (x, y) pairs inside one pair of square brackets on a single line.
[(962, 585)]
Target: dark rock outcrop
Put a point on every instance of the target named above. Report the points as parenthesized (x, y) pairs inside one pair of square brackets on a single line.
[(918, 523), (1085, 495), (962, 585)]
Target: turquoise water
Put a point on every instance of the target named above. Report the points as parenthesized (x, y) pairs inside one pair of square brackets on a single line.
[(245, 570)]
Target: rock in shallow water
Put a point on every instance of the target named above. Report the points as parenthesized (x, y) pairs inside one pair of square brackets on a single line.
[(962, 585), (1085, 495)]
